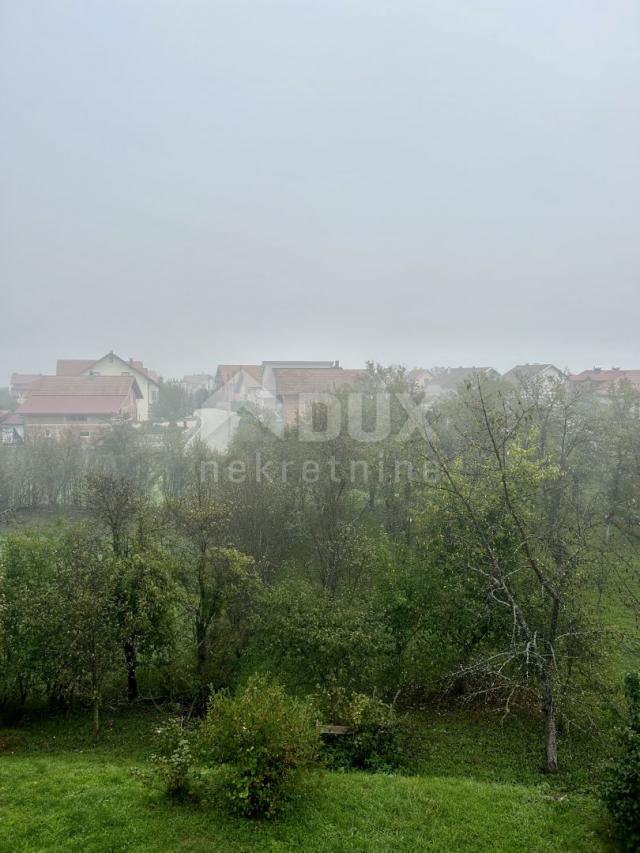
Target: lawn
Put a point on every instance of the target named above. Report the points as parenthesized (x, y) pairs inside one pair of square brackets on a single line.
[(60, 792)]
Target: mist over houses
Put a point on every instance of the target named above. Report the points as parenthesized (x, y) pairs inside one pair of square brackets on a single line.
[(87, 395)]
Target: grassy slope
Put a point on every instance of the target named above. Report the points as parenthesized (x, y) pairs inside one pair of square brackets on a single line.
[(479, 789), (59, 792)]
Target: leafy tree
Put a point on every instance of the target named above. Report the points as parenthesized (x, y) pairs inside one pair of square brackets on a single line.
[(218, 580), (518, 522), (91, 640), (174, 402), (622, 791)]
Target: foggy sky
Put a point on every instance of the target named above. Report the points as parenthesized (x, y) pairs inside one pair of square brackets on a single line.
[(418, 182)]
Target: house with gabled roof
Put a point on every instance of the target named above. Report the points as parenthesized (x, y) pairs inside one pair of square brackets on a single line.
[(285, 385), (602, 382), (112, 365), (235, 385), (447, 380), (537, 375), (83, 403)]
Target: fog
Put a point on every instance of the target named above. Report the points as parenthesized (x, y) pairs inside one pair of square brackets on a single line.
[(424, 183)]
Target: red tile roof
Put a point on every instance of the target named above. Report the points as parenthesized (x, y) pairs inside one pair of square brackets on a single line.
[(80, 395), (309, 380), (80, 366), (607, 376), (24, 380)]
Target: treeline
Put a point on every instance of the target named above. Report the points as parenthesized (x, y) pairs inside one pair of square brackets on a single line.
[(471, 554)]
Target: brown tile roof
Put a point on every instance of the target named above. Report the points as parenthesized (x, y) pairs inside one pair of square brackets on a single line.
[(79, 366), (24, 380), (80, 395), (607, 376), (313, 380)]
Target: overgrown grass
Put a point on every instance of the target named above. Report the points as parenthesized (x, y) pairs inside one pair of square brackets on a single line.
[(478, 790)]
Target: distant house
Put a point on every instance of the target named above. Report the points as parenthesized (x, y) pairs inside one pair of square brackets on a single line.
[(84, 403), (20, 385), (195, 382), (543, 376), (235, 385), (603, 382), (112, 365), (447, 380), (285, 385), (272, 388)]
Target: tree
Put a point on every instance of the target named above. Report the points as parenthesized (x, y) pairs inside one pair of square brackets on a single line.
[(91, 640), (174, 402), (522, 523), (144, 573), (216, 577)]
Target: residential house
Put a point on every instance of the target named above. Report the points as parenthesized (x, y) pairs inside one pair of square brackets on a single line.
[(236, 385), (112, 365), (84, 403), (538, 376), (602, 382), (285, 385), (447, 380), (195, 382)]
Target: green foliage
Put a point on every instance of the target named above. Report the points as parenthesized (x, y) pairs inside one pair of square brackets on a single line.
[(6, 400), (622, 791), (173, 760), (375, 738), (265, 738), (174, 402), (319, 639)]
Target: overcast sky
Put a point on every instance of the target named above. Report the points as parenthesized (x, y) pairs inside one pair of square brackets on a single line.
[(422, 182)]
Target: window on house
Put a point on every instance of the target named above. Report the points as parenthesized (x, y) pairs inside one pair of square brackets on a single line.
[(77, 418)]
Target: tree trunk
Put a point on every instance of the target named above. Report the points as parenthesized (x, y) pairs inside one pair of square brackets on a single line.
[(96, 714), (131, 659), (201, 644), (550, 732)]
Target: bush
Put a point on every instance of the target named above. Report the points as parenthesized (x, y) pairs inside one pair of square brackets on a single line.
[(622, 791), (264, 738), (375, 739), (174, 760)]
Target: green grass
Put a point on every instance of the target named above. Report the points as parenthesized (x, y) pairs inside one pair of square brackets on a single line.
[(60, 792)]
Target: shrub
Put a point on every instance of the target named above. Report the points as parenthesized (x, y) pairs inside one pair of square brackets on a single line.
[(174, 759), (264, 738), (622, 791), (375, 739)]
